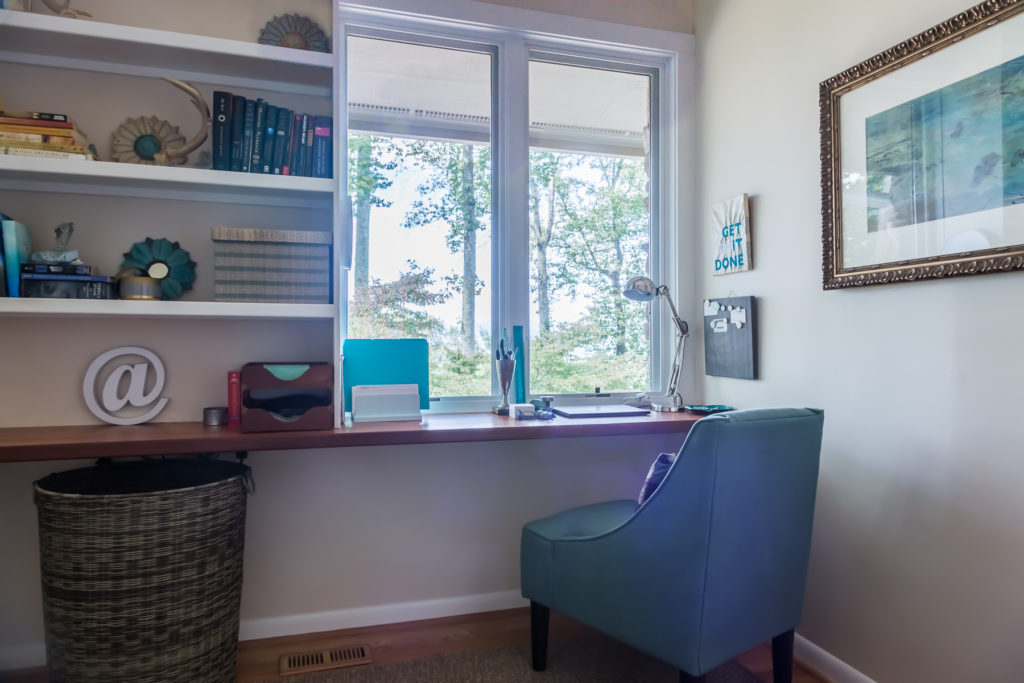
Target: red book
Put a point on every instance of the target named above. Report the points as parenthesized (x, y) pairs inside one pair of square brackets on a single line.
[(234, 397), (36, 122)]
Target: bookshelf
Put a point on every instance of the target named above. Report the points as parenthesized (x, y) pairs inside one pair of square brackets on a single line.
[(101, 73)]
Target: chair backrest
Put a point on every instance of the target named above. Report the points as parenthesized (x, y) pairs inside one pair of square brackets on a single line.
[(743, 489)]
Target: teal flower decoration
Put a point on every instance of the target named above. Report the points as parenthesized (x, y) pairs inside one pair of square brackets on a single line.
[(164, 260)]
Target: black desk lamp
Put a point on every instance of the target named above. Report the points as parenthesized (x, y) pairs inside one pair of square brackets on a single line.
[(642, 288)]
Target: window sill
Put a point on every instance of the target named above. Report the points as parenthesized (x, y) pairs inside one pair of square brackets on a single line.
[(21, 444)]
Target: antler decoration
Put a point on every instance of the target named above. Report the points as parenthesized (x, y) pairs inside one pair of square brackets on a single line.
[(176, 155)]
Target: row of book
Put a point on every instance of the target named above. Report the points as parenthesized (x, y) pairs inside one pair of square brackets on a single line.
[(20, 277), (254, 136), (42, 134)]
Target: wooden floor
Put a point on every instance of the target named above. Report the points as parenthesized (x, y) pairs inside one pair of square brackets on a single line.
[(258, 659)]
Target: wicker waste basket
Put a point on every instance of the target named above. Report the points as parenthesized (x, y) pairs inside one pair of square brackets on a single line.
[(142, 570)]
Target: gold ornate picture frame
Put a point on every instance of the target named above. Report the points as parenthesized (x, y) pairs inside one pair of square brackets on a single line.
[(922, 155)]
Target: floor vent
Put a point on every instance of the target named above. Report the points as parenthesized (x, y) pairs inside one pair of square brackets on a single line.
[(335, 658)]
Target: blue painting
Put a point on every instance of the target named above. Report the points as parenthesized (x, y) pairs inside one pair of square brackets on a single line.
[(953, 151)]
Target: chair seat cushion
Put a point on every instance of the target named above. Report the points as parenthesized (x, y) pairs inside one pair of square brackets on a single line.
[(582, 522)]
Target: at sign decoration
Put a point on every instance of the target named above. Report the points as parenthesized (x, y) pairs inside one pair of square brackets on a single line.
[(137, 381)]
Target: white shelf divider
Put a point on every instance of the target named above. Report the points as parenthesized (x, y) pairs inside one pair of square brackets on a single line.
[(81, 44), (78, 176), (88, 308)]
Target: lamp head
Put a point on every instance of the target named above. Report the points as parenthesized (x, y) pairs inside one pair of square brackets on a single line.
[(640, 288)]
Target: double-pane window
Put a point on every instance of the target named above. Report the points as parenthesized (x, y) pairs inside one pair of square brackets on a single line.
[(455, 244)]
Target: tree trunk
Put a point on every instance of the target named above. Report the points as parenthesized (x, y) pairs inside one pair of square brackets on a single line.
[(363, 199), (468, 253), (620, 315), (543, 238)]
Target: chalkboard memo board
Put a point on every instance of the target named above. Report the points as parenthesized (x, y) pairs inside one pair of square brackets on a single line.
[(730, 337)]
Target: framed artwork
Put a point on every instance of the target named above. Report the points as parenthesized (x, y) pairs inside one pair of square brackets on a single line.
[(922, 155)]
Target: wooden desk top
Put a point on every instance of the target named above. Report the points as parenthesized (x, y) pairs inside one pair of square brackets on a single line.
[(21, 444)]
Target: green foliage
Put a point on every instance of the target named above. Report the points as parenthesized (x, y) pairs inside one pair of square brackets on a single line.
[(567, 361), (445, 196), (372, 161), (589, 232), (390, 310)]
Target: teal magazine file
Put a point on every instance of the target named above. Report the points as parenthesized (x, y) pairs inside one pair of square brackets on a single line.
[(386, 361), (17, 248)]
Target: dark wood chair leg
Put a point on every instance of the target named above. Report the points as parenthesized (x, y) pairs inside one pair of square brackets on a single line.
[(782, 657), (539, 617), (687, 678)]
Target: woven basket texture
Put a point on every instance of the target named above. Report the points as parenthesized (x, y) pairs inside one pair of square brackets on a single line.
[(142, 586)]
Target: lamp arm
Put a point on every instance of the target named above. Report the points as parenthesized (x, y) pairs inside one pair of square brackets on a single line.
[(677, 358), (677, 364), (680, 323)]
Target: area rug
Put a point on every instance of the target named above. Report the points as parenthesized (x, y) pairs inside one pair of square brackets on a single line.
[(577, 660)]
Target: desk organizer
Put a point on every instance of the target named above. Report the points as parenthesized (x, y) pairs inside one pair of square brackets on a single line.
[(271, 266), (279, 397)]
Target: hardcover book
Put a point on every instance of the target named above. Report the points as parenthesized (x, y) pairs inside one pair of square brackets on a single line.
[(66, 277), (269, 128), (322, 165), (237, 129), (39, 130), (248, 124), (59, 268), (35, 123), (281, 137), (300, 146), (38, 115), (45, 153), (293, 136), (55, 140), (307, 162), (221, 157), (258, 124)]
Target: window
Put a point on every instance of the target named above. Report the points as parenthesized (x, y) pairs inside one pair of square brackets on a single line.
[(475, 213), (590, 227), (419, 176)]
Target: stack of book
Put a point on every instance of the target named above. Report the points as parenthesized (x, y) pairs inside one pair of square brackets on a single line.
[(254, 136), (40, 134), (64, 281)]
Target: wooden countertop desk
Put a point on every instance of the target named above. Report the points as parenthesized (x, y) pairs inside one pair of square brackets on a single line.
[(22, 444)]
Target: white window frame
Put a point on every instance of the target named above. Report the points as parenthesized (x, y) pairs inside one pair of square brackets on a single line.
[(515, 35)]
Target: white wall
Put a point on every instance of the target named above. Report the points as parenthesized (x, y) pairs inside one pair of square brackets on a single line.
[(918, 547)]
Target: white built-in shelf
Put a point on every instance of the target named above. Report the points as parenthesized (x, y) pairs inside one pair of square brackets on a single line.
[(78, 176), (83, 44), (87, 308)]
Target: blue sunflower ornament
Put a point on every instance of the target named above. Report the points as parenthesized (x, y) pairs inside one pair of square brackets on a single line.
[(165, 261)]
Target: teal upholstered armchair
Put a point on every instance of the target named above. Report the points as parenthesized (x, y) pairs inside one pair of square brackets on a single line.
[(712, 564)]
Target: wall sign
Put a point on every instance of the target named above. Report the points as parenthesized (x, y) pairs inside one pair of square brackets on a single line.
[(731, 236), (109, 390)]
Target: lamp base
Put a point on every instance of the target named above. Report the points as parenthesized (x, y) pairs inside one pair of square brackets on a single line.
[(666, 408)]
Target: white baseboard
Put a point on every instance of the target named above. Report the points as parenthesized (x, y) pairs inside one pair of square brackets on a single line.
[(22, 656), (834, 668), (298, 624)]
